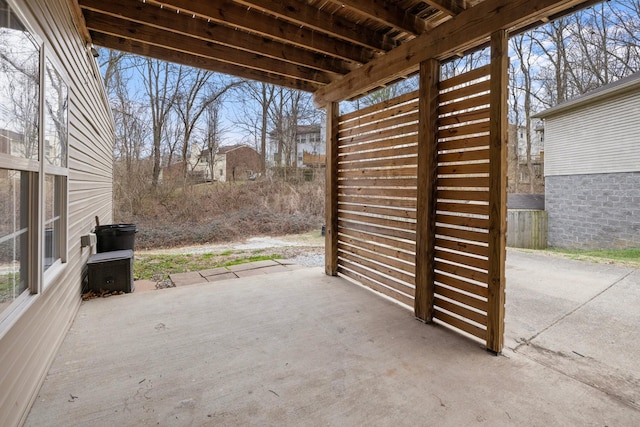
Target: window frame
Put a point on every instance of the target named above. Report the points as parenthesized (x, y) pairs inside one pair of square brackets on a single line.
[(39, 280)]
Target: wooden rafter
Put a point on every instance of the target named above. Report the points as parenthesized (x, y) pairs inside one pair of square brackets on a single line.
[(468, 29), (389, 13), (341, 49), (99, 23), (451, 7), (251, 20), (302, 14), (211, 32), (144, 49)]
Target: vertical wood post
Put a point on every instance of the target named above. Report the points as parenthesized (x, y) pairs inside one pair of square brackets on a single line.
[(331, 188), (497, 191), (427, 180)]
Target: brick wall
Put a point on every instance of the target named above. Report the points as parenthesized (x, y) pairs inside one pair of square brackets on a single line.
[(594, 211)]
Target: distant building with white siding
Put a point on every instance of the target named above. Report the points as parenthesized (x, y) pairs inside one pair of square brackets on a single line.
[(592, 168)]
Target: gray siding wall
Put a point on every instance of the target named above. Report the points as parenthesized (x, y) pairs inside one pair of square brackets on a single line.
[(599, 137), (29, 345), (594, 211)]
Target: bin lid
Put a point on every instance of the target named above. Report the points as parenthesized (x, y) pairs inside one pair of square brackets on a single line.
[(110, 256), (116, 227)]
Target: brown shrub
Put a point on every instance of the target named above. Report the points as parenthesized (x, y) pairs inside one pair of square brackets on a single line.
[(219, 212)]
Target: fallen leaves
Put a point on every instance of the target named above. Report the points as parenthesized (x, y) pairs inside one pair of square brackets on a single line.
[(101, 294)]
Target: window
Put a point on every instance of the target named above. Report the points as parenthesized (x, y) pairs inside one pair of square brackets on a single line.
[(55, 166), (33, 163)]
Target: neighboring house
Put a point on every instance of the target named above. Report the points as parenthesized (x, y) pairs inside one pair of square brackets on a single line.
[(592, 168), (309, 147), (519, 176), (56, 159), (236, 163)]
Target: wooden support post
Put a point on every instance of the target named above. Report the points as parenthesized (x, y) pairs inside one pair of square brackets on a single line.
[(331, 184), (497, 191), (427, 180)]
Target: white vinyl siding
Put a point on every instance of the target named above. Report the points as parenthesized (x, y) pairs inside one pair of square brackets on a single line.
[(602, 136), (32, 336)]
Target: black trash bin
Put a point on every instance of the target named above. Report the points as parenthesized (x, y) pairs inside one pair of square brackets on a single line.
[(116, 237)]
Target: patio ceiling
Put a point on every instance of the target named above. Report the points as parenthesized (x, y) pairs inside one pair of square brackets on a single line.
[(336, 48)]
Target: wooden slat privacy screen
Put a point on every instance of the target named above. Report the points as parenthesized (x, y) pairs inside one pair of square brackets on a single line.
[(377, 192), (377, 199), (462, 202)]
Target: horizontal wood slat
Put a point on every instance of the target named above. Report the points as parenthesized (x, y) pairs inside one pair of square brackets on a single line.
[(459, 258), (465, 104), (390, 232), (461, 324), (388, 192), (380, 173), (463, 156), (380, 240), (365, 281), (456, 245), (463, 221), (378, 201), (464, 169), (471, 301), (408, 257), (462, 272), (459, 182), (390, 122), (464, 143), (377, 154), (385, 222), (464, 195), (458, 119), (462, 311), (475, 74), (377, 210), (465, 91), (353, 263), (473, 236), (378, 182), (462, 208), (385, 105), (382, 163), (387, 261), (464, 130), (379, 144), (463, 285)]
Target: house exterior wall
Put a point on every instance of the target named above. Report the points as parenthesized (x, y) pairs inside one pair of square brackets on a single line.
[(241, 163), (31, 336), (594, 210), (598, 137), (592, 168)]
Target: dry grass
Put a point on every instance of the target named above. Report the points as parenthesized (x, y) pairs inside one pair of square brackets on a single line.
[(221, 212)]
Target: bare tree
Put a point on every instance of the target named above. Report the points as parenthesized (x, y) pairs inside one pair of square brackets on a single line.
[(161, 84), (257, 100)]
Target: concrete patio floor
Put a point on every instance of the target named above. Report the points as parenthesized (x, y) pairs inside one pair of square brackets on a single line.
[(300, 348)]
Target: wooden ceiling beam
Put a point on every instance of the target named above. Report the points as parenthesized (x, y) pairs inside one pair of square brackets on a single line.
[(144, 49), (168, 20), (388, 13), (100, 23), (303, 14), (468, 29), (450, 7), (251, 20)]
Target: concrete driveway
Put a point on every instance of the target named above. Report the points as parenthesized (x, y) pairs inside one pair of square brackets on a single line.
[(300, 348)]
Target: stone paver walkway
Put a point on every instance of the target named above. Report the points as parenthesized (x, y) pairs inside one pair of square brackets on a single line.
[(223, 273)]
